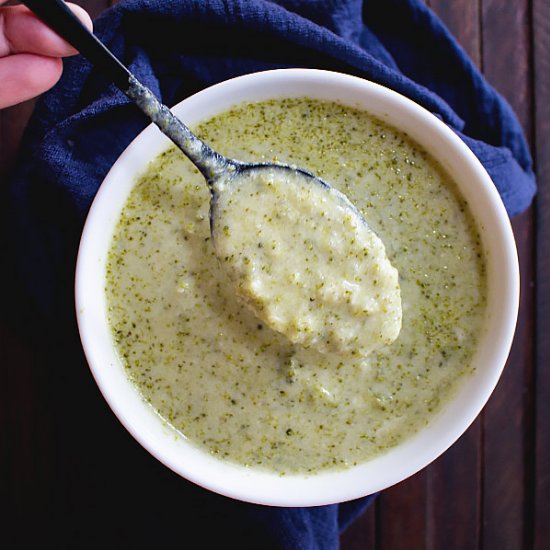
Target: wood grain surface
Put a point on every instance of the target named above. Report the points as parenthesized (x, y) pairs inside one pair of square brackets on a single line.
[(539, 451), (491, 489)]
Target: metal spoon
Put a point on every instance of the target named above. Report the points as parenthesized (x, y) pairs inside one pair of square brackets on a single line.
[(226, 177)]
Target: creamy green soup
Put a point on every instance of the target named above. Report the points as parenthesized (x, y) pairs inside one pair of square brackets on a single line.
[(241, 390)]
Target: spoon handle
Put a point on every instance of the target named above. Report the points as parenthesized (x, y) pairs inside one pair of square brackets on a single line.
[(57, 15)]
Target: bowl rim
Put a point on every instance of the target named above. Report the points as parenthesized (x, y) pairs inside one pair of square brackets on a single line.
[(327, 487)]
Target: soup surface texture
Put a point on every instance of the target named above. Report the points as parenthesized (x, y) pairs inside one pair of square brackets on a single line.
[(245, 392)]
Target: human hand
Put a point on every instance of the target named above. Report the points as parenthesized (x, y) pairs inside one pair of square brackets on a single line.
[(30, 53)]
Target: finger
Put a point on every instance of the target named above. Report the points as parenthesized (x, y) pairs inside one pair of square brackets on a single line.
[(22, 32), (27, 75)]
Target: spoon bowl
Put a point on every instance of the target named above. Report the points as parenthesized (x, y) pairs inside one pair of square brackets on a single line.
[(302, 257)]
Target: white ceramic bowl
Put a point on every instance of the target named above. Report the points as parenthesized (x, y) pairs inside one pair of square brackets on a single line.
[(324, 488)]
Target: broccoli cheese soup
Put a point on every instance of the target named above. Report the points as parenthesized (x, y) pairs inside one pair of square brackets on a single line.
[(244, 391)]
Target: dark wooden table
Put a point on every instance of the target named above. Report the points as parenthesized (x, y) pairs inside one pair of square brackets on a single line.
[(491, 490)]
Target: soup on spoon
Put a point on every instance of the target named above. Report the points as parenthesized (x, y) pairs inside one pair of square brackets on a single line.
[(304, 260)]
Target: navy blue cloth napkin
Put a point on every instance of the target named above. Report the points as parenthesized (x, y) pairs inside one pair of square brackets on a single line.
[(178, 47)]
